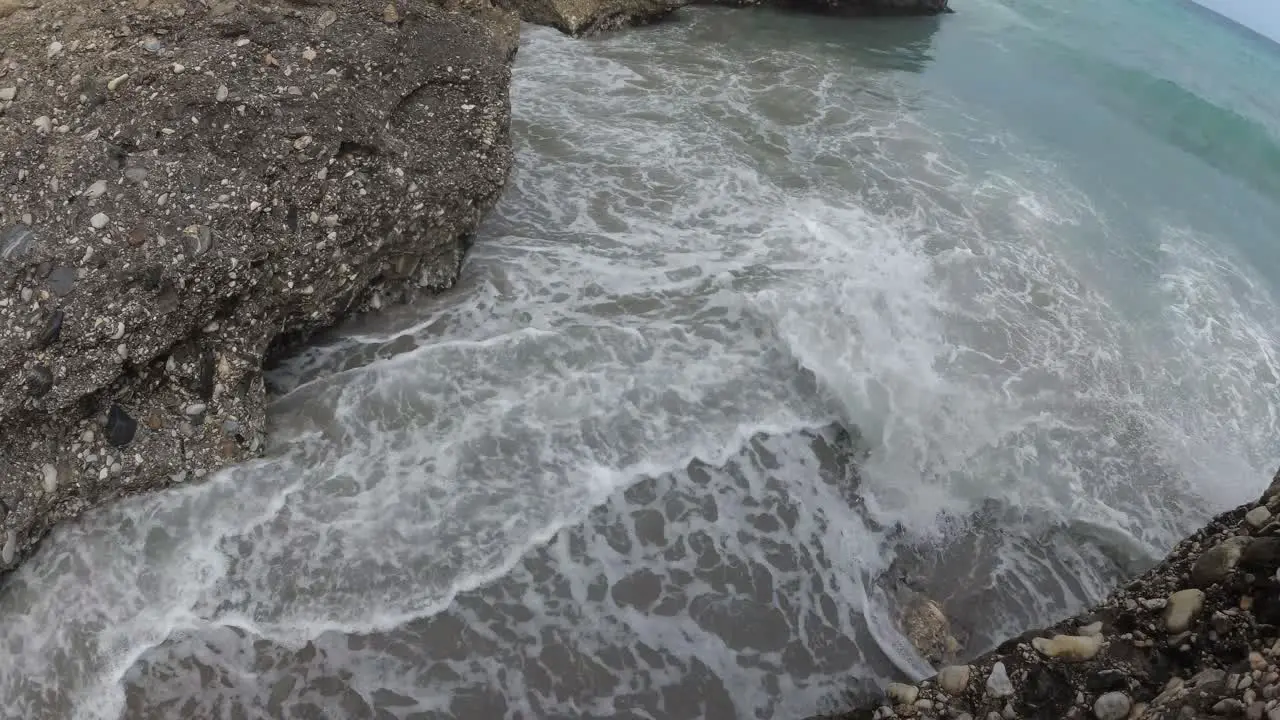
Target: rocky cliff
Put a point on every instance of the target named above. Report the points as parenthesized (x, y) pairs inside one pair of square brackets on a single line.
[(185, 185), (1198, 636)]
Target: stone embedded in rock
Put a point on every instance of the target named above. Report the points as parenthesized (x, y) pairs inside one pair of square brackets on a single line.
[(954, 679), (10, 547), (1071, 648), (15, 242), (39, 381), (1182, 608), (1217, 563), (998, 683), (902, 694), (52, 329), (1112, 706), (121, 427), (63, 280), (99, 221)]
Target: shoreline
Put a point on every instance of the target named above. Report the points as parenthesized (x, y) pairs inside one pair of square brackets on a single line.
[(1196, 636)]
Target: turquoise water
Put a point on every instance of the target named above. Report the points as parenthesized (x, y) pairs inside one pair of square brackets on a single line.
[(776, 311)]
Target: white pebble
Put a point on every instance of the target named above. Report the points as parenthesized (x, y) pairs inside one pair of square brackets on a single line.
[(96, 190), (49, 474), (55, 49), (222, 93), (43, 124), (99, 221), (998, 683), (195, 409), (179, 68), (115, 82), (8, 94), (10, 547), (119, 333), (123, 351)]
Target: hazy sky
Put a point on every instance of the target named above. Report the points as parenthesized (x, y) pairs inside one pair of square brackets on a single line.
[(1262, 16)]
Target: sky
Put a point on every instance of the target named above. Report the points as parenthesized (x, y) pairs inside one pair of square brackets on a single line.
[(1262, 16)]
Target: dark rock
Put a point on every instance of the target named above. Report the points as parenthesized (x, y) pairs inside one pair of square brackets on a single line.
[(121, 427), (39, 381), (52, 329), (1263, 554), (1106, 681), (62, 280)]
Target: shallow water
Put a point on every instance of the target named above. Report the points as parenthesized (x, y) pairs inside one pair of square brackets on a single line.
[(774, 306)]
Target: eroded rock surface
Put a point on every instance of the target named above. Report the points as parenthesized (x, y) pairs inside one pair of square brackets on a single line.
[(1198, 636), (184, 183)]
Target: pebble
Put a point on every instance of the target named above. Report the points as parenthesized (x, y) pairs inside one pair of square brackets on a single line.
[(7, 94), (49, 477), (1071, 648), (1258, 517), (96, 190), (52, 329), (121, 428), (117, 81), (152, 45), (195, 409), (1112, 706), (1183, 607), (327, 18), (39, 381), (1228, 706), (99, 221), (43, 124), (222, 93), (954, 679), (902, 694), (55, 49), (179, 68), (998, 683), (123, 351), (1257, 662), (10, 547)]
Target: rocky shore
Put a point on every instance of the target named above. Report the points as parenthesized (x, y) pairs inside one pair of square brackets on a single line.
[(185, 186), (189, 186), (1198, 636)]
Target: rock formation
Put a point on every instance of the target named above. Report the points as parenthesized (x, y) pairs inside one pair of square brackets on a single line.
[(1198, 636), (186, 184), (585, 17)]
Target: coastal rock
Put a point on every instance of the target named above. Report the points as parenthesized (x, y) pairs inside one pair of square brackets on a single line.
[(925, 624), (1215, 565), (587, 17), (1070, 648), (1182, 608), (902, 694), (998, 683), (954, 679), (1112, 706), (159, 238)]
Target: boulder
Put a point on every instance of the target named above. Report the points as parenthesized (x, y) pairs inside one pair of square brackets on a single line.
[(185, 187)]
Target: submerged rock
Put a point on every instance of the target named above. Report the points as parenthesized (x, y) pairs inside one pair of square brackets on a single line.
[(144, 211)]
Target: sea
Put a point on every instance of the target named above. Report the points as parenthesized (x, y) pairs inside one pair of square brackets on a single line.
[(783, 322)]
